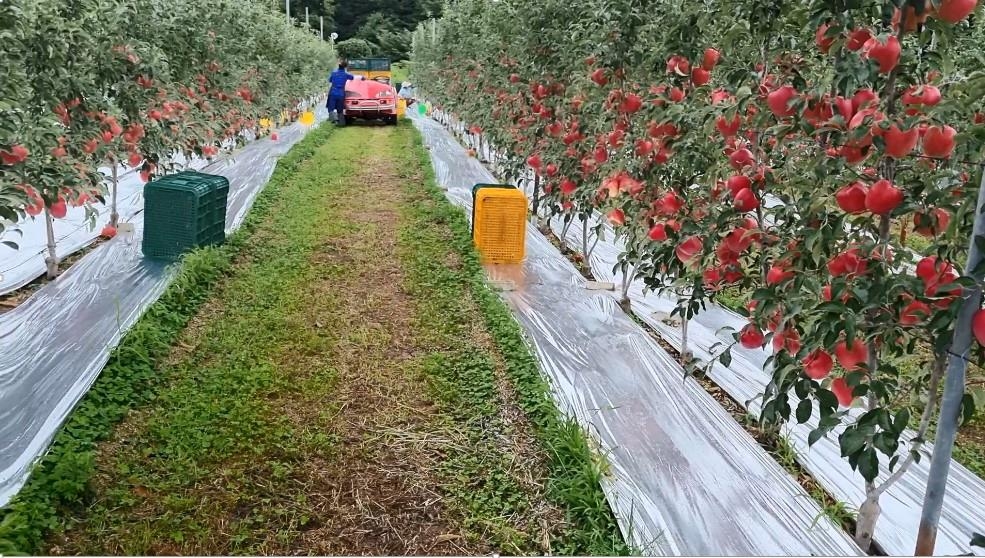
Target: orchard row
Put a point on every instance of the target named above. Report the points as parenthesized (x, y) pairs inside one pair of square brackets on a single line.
[(101, 83), (790, 150)]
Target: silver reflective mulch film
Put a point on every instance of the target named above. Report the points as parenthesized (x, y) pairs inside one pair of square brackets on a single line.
[(53, 346), (686, 479)]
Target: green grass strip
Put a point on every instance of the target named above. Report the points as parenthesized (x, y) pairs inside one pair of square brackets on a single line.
[(130, 378), (575, 471)]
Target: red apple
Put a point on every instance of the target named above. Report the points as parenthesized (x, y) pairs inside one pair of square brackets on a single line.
[(885, 53), (864, 98), (851, 198), (787, 340), (710, 59), (851, 358), (818, 364), (16, 154), (741, 158), (630, 103), (738, 183), (689, 250), (823, 42), (598, 76), (849, 263), (751, 337), (746, 200), (858, 38), (914, 313), (900, 143), (616, 217), (953, 11), (679, 65), (728, 128), (58, 209), (932, 224), (978, 326), (883, 198), (777, 275), (842, 391), (568, 186), (109, 231), (700, 77), (739, 240), (923, 95), (658, 233), (779, 101), (938, 142)]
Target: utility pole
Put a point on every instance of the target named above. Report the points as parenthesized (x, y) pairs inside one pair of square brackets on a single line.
[(287, 10), (321, 23), (307, 21)]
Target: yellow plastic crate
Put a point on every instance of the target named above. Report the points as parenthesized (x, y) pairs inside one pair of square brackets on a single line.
[(499, 226)]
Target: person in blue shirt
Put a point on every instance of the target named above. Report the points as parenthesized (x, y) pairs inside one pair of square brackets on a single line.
[(336, 94)]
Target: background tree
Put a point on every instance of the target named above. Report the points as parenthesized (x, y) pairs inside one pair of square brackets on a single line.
[(386, 25), (355, 48)]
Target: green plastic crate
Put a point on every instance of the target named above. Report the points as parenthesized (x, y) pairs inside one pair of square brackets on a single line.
[(182, 212)]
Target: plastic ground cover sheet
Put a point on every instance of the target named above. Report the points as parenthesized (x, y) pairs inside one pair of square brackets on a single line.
[(54, 345), (745, 379), (21, 266), (686, 478)]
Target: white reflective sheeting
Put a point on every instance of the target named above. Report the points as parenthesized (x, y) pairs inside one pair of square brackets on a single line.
[(745, 379), (54, 345), (686, 479)]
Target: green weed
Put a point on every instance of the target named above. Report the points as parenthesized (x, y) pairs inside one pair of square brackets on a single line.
[(575, 471), (62, 478)]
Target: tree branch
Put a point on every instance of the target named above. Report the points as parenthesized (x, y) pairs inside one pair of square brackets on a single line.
[(928, 413)]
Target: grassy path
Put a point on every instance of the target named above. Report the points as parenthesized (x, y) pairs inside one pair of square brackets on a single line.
[(351, 388)]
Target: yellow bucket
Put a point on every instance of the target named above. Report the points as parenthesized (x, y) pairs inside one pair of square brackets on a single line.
[(401, 107), (307, 118)]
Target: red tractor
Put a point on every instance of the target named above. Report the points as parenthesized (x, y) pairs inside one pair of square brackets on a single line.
[(370, 100)]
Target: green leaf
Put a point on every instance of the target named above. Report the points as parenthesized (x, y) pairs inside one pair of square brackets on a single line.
[(803, 389), (868, 464), (851, 441), (967, 408), (726, 358), (815, 435), (886, 442), (977, 539), (827, 400), (901, 421), (804, 410)]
